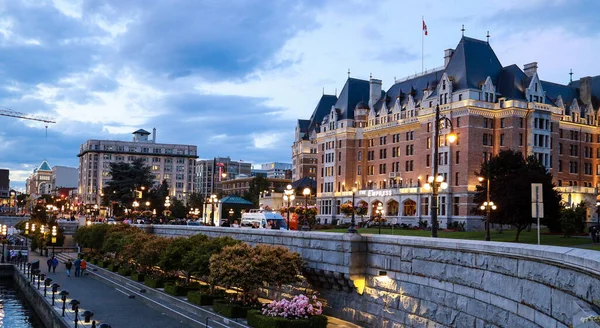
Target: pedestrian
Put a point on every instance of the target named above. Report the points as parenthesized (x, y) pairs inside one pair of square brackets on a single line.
[(54, 264), (49, 262), (83, 267), (68, 266), (77, 265)]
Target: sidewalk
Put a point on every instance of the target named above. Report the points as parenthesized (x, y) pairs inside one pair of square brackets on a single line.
[(108, 305)]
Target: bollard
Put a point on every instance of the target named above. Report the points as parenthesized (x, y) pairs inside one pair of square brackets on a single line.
[(63, 296), (40, 278), (55, 287), (104, 325), (74, 303), (76, 315), (93, 323), (87, 315), (46, 284)]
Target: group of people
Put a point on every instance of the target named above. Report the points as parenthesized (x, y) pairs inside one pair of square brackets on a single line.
[(79, 264), (15, 256)]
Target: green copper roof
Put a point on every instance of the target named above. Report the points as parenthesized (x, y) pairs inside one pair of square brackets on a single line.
[(44, 167), (235, 200)]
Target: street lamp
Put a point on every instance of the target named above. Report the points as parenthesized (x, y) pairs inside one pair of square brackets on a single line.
[(4, 233), (451, 137), (289, 197), (213, 199), (487, 206), (306, 193), (135, 205), (352, 228), (54, 233), (379, 212), (167, 204), (434, 185), (147, 206)]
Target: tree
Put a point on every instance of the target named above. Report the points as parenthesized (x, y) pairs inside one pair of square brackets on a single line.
[(39, 214), (125, 179), (572, 220), (248, 268), (511, 177), (158, 196), (117, 237), (257, 185), (144, 251), (178, 208), (196, 200), (91, 236)]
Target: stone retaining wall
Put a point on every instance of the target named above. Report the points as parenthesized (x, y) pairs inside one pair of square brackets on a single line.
[(393, 281)]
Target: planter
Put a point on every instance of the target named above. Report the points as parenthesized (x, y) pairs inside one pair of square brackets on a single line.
[(257, 320), (154, 283), (201, 298), (124, 271), (136, 276), (230, 310), (113, 267)]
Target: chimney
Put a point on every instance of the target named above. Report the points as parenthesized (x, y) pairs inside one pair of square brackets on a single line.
[(448, 53), (585, 89), (153, 135), (530, 69), (375, 91)]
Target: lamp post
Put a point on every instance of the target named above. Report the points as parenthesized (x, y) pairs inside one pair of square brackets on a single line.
[(135, 205), (451, 137), (167, 204), (379, 212), (4, 233), (212, 200), (487, 205), (289, 197), (306, 193), (147, 206), (53, 240), (27, 241), (352, 227), (434, 185)]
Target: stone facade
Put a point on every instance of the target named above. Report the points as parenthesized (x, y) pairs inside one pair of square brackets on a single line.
[(389, 281)]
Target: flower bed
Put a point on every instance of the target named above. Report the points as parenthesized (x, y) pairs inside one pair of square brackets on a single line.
[(136, 276), (257, 320)]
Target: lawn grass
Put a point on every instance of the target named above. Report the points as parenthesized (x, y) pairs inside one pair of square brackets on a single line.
[(505, 236)]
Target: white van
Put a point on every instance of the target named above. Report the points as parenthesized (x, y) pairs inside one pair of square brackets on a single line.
[(261, 218)]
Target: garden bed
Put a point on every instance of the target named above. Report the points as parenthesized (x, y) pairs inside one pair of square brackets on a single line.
[(154, 282), (124, 271), (136, 276), (257, 320), (230, 310), (202, 297), (113, 267)]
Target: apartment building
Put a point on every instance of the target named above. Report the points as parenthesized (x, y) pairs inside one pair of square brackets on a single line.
[(380, 141), (224, 169), (171, 162)]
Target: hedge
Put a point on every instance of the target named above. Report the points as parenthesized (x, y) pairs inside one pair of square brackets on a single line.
[(201, 297), (229, 310), (154, 283), (175, 290), (124, 271), (104, 264), (136, 276), (257, 320), (113, 267)]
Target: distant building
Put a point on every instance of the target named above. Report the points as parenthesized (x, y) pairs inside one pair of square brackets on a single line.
[(277, 170), (4, 183), (274, 193), (40, 181), (171, 162), (207, 184), (64, 177)]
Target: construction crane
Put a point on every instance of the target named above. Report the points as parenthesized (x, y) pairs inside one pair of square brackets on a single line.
[(11, 113)]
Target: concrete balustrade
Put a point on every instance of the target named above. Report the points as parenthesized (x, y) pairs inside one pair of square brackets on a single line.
[(394, 281)]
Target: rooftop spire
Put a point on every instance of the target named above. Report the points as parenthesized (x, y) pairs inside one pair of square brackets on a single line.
[(488, 36), (462, 30), (348, 72), (570, 75)]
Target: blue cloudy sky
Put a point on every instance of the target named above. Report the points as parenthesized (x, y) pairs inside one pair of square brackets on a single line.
[(232, 77)]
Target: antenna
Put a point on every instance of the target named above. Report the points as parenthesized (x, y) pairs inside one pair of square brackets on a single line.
[(488, 36), (348, 72), (370, 75), (463, 30), (570, 75), (46, 134)]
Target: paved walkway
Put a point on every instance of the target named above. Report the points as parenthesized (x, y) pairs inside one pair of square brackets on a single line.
[(108, 305)]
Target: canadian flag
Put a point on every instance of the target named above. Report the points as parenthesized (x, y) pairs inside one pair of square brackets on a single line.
[(424, 27)]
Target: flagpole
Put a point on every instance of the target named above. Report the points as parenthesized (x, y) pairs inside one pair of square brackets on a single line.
[(422, 44)]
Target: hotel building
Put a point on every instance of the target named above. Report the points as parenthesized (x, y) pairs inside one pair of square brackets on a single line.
[(174, 163), (380, 141)]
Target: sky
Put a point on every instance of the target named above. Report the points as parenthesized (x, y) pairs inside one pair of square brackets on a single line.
[(233, 77)]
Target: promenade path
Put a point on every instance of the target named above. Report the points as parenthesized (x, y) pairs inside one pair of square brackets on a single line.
[(110, 301)]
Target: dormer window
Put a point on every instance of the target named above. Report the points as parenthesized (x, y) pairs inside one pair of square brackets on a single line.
[(443, 84)]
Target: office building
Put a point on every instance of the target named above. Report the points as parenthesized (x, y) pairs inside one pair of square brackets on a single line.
[(224, 169)]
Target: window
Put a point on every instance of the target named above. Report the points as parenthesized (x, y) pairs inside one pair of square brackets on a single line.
[(488, 139), (360, 156), (358, 170), (521, 122), (456, 179), (502, 123), (425, 206), (502, 139), (456, 206), (459, 97), (428, 142), (457, 157), (427, 160)]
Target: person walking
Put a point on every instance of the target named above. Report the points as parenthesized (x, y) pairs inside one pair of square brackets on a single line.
[(54, 264), (77, 265), (83, 267), (49, 262), (68, 266)]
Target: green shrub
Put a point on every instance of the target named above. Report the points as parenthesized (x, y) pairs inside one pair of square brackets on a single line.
[(104, 264), (175, 290), (94, 261), (113, 267), (229, 310), (124, 271), (201, 297), (153, 282), (136, 276), (257, 320)]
